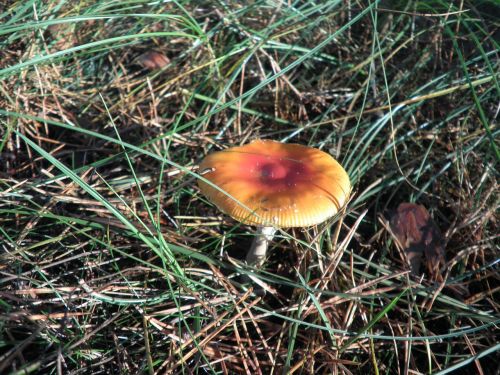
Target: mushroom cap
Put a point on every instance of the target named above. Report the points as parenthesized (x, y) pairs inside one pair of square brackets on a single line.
[(275, 184)]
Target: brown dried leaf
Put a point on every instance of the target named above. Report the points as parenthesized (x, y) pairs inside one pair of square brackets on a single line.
[(153, 60), (61, 35), (419, 236)]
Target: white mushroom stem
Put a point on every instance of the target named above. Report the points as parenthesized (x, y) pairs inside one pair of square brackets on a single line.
[(257, 253)]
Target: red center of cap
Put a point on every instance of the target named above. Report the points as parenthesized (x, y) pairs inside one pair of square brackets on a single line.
[(275, 172)]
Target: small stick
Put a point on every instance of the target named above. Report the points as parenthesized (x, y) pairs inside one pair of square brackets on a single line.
[(337, 229)]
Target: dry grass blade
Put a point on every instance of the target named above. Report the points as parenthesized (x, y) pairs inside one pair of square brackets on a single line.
[(111, 261)]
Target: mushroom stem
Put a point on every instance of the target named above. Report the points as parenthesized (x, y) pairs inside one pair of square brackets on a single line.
[(257, 253)]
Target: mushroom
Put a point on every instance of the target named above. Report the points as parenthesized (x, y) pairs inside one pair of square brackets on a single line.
[(274, 185)]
